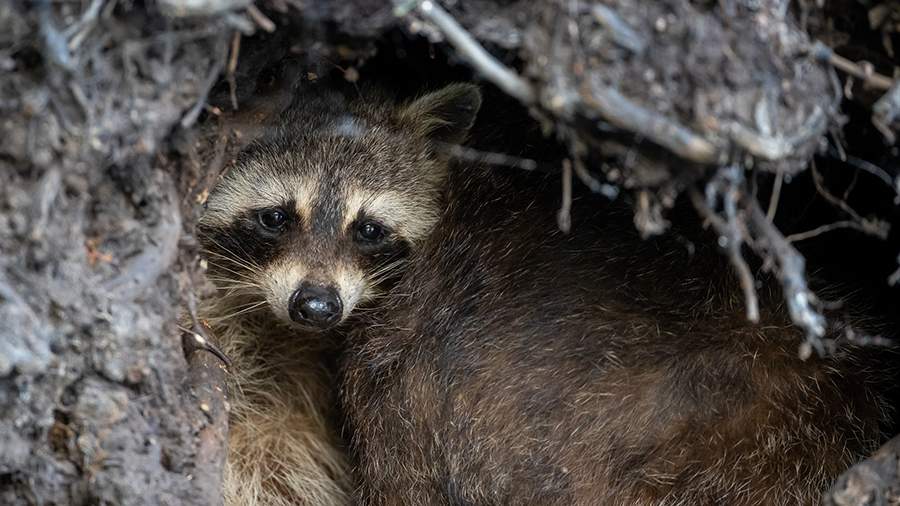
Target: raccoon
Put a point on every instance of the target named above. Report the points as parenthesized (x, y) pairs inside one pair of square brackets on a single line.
[(309, 227), (514, 364)]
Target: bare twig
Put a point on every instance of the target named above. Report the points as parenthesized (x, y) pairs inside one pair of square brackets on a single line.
[(865, 339), (191, 117), (198, 337), (595, 185), (860, 70), (627, 115), (779, 147), (477, 56), (80, 29), (490, 158), (734, 238), (851, 186), (579, 150), (240, 22), (819, 183), (791, 271), (729, 187), (776, 195), (876, 171), (894, 278), (232, 67), (189, 8), (619, 30), (55, 46), (886, 111), (206, 379), (264, 22), (873, 229), (564, 217), (648, 215)]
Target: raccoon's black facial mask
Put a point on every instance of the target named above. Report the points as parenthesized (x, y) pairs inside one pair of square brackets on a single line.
[(381, 249)]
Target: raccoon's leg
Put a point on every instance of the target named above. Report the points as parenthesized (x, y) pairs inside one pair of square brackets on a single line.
[(279, 455)]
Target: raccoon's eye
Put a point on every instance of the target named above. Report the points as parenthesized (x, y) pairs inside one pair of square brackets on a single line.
[(370, 232), (272, 220)]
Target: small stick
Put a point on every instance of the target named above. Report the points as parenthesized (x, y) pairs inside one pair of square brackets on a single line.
[(198, 337), (886, 111), (564, 217), (192, 341), (607, 190), (232, 67), (860, 70), (264, 22), (490, 158), (621, 33), (876, 171), (878, 228), (809, 234), (735, 241), (478, 57), (894, 278), (776, 195), (191, 117), (627, 115), (777, 148), (791, 271)]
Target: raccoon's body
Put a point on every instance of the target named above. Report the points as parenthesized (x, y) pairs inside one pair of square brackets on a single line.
[(309, 226), (513, 364), (490, 359)]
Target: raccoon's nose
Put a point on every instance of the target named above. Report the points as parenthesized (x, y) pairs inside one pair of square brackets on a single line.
[(318, 306)]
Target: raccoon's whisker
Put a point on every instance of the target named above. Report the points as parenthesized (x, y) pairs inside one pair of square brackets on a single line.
[(237, 293), (244, 260), (382, 272), (250, 266), (247, 309), (247, 260), (238, 274), (247, 304), (380, 279), (248, 289), (221, 282)]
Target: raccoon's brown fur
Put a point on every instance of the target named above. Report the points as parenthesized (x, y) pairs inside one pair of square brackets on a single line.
[(330, 168), (513, 364)]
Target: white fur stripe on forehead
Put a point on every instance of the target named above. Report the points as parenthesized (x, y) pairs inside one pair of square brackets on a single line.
[(253, 187), (411, 216)]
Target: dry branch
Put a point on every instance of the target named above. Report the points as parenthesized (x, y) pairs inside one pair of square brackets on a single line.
[(755, 230), (886, 111), (734, 238), (623, 113), (206, 380), (860, 70), (474, 53)]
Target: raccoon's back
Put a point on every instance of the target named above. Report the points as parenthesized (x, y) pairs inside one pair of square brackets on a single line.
[(519, 365)]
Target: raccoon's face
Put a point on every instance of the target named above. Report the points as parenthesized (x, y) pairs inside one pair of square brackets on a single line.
[(311, 222)]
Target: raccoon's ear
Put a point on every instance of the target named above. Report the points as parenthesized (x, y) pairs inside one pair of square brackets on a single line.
[(445, 115)]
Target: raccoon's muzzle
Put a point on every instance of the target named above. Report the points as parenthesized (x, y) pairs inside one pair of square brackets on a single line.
[(316, 306)]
